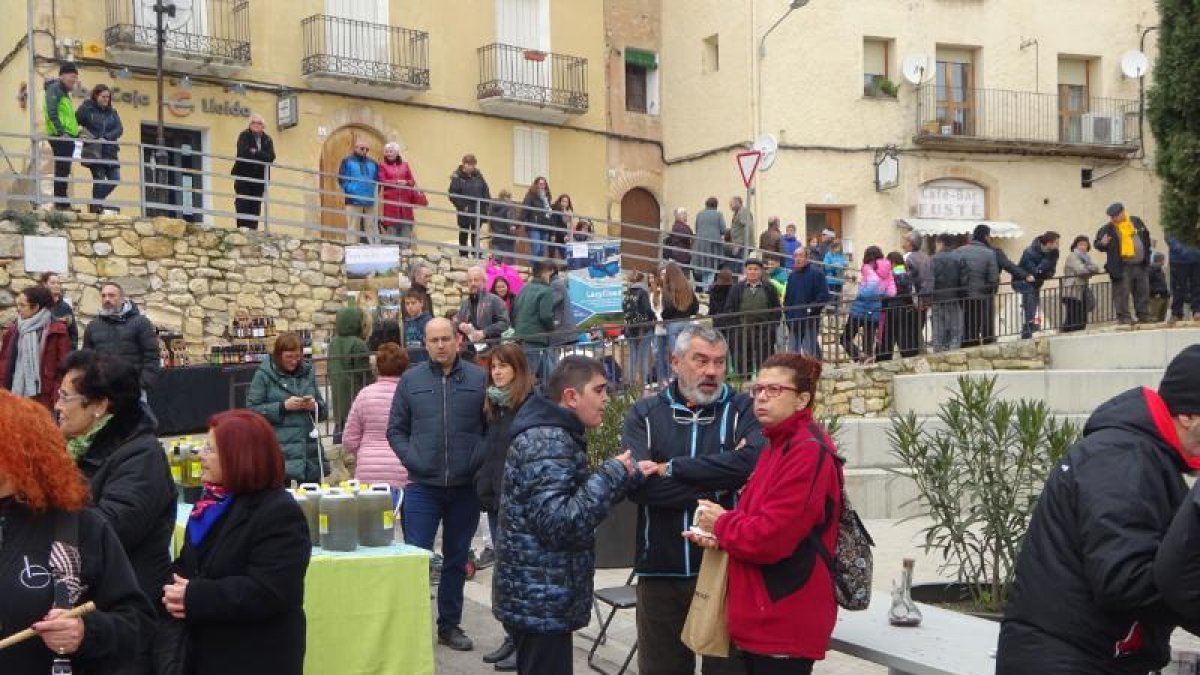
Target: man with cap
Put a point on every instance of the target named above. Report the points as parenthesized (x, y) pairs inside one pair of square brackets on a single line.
[(1125, 241), (756, 304), (63, 129), (1086, 598)]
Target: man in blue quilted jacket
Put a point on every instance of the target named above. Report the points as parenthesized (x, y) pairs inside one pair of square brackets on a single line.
[(549, 510)]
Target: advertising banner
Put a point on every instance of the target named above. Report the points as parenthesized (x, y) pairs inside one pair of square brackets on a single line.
[(595, 285)]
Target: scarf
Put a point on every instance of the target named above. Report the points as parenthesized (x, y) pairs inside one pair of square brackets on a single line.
[(1125, 232), (213, 502), (121, 311), (31, 337), (79, 445), (498, 396)]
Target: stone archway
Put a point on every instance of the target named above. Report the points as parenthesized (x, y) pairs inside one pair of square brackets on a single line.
[(639, 245), (339, 145)]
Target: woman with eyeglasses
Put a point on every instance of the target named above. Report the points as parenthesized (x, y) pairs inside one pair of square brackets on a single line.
[(284, 390), (238, 583), (33, 348), (45, 520), (781, 606), (112, 441)]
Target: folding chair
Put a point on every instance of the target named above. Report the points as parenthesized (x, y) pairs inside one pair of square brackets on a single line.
[(617, 598)]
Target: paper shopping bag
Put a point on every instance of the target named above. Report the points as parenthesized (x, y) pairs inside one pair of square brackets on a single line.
[(706, 631)]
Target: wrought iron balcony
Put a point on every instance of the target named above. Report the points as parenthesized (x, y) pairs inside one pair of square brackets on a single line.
[(993, 119), (203, 37), (355, 57), (530, 84)]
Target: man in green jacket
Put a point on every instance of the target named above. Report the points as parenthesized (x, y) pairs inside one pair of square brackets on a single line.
[(62, 128), (533, 317)]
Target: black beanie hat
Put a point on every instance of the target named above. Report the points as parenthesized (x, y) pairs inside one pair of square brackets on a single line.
[(1180, 386), (67, 67)]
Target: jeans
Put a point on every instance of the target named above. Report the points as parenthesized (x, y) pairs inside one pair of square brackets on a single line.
[(673, 330), (662, 360), (947, 325), (537, 239), (806, 336), (1134, 281), (456, 509), (105, 178), (64, 149), (641, 358), (503, 247), (1030, 300), (538, 357), (663, 604)]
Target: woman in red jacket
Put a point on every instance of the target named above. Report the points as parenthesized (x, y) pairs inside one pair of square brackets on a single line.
[(781, 606), (398, 193), (33, 348)]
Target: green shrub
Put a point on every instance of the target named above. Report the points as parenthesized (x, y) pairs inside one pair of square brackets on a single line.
[(604, 442), (979, 477)]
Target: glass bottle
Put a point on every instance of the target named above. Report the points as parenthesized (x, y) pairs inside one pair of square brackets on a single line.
[(904, 611)]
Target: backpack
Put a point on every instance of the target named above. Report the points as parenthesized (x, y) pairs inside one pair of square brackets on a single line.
[(851, 562)]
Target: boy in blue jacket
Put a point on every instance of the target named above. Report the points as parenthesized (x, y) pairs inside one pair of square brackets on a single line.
[(415, 320)]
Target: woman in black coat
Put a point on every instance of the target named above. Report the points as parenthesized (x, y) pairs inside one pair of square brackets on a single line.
[(100, 118), (252, 144), (238, 584), (509, 385), (113, 442)]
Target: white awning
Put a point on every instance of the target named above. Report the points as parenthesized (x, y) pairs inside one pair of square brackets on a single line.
[(935, 226)]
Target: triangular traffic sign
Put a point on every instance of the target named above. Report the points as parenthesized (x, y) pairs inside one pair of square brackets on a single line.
[(748, 164)]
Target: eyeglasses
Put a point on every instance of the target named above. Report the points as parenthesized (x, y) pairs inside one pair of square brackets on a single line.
[(771, 390), (701, 417), (363, 149), (64, 397)]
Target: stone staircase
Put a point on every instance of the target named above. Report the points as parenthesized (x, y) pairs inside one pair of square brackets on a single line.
[(1083, 371)]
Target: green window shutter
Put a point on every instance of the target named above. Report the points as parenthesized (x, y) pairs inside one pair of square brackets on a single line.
[(641, 58)]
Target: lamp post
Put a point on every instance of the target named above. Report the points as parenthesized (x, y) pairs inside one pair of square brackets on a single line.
[(159, 156)]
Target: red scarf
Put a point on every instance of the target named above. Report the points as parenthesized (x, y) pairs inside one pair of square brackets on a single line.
[(212, 494)]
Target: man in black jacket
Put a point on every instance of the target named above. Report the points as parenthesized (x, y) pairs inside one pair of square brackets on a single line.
[(949, 288), (470, 195), (1125, 242), (122, 330), (255, 151), (1039, 261), (435, 423), (983, 278), (706, 440), (1085, 598)]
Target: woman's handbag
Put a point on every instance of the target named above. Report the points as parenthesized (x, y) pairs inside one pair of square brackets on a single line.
[(91, 149), (706, 631)]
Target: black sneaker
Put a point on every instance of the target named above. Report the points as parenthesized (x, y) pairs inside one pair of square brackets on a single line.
[(508, 665), (485, 559), (505, 650), (455, 639)]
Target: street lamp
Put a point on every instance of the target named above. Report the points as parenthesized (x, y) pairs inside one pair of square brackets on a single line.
[(159, 157), (793, 6)]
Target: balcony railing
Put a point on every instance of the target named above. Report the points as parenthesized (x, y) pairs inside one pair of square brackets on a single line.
[(946, 116), (371, 53), (207, 30), (529, 77)]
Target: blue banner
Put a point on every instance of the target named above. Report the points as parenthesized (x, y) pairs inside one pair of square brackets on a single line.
[(595, 284)]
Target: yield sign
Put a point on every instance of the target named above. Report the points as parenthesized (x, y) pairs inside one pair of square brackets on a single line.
[(748, 164)]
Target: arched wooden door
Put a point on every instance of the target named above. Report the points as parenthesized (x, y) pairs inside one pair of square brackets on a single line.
[(639, 245), (338, 146)]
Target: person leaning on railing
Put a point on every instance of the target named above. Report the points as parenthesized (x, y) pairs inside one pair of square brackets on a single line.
[(1078, 300), (102, 121), (468, 192), (63, 128)]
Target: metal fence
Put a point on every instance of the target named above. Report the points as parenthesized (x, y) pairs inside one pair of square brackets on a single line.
[(336, 46), (209, 29), (996, 114), (533, 76)]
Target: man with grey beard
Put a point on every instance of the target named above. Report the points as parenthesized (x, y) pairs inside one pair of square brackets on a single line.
[(705, 439)]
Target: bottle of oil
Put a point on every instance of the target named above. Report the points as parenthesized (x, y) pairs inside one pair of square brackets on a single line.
[(338, 521), (176, 462), (309, 504), (375, 520)]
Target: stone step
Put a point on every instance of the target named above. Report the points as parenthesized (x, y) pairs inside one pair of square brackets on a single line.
[(882, 493), (1064, 391), (1121, 350)]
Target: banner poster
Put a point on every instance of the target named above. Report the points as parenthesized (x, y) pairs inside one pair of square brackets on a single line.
[(373, 279), (595, 284)]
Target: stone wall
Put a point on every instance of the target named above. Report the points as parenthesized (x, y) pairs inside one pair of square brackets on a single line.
[(191, 279), (866, 391)]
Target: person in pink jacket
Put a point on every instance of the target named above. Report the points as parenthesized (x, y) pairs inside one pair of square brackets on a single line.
[(365, 436)]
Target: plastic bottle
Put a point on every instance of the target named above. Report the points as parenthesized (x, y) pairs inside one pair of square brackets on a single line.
[(314, 493), (338, 521), (176, 462), (375, 520)]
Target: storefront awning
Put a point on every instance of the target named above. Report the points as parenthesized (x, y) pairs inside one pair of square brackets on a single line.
[(641, 58), (935, 226)]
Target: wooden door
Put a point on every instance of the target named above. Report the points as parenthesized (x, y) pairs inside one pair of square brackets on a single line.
[(639, 245), (338, 146), (817, 219)]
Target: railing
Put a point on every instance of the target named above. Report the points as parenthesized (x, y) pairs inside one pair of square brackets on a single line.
[(1025, 117), (206, 29), (368, 51), (532, 76)]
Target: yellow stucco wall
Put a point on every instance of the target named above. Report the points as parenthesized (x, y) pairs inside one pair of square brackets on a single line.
[(436, 127), (812, 97)]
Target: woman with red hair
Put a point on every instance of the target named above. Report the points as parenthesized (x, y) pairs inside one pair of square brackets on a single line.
[(55, 554), (781, 606), (238, 584)]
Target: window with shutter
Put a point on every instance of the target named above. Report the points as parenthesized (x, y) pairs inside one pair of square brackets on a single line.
[(531, 154)]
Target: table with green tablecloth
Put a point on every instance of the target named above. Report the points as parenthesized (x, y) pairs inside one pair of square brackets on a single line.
[(368, 610)]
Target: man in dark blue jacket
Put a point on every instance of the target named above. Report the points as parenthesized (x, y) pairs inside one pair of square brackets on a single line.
[(705, 439), (435, 423), (1185, 279), (1040, 261), (549, 509), (804, 299)]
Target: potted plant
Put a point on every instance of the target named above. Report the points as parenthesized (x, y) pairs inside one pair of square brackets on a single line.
[(888, 88), (978, 476), (616, 534), (535, 55)]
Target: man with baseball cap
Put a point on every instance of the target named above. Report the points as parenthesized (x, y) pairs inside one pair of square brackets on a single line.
[(1086, 598), (1125, 241)]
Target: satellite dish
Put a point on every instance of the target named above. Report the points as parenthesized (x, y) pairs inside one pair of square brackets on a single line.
[(914, 68), (1134, 64), (769, 147)]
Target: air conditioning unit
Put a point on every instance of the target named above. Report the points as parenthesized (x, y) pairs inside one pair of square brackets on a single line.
[(1102, 129)]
